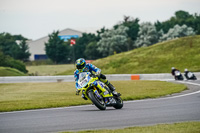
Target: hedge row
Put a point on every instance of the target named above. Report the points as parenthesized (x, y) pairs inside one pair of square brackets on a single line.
[(8, 61)]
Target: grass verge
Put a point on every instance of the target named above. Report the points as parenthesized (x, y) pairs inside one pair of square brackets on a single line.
[(157, 58), (7, 71), (22, 96), (183, 127), (49, 70)]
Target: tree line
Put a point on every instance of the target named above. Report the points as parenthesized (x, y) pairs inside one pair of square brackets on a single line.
[(126, 35), (13, 51)]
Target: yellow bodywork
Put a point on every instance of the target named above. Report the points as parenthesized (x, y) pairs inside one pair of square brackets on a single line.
[(96, 83)]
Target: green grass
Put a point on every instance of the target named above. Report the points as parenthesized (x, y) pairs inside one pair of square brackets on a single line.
[(7, 71), (159, 58), (22, 96), (183, 127), (44, 70)]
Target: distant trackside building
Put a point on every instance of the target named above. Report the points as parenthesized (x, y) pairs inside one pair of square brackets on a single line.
[(37, 47)]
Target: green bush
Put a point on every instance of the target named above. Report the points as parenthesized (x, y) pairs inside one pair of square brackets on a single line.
[(7, 71), (8, 61)]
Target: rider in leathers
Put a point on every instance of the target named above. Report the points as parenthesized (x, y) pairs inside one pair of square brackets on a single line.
[(83, 67)]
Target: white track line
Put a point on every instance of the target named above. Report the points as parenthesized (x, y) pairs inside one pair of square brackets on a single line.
[(192, 93), (133, 101), (189, 83)]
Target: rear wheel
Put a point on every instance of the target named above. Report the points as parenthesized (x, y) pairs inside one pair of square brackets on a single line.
[(119, 103), (99, 103)]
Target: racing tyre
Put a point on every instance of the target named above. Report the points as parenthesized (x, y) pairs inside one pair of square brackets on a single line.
[(99, 103), (119, 103), (181, 77)]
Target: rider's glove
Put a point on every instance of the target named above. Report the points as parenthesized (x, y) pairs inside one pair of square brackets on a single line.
[(77, 92), (98, 73)]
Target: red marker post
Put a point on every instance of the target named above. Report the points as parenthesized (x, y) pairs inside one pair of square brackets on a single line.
[(72, 42)]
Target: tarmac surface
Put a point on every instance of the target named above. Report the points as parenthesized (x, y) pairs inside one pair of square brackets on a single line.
[(178, 107)]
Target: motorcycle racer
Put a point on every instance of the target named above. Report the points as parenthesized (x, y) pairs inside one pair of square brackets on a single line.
[(177, 74), (173, 72), (189, 75), (82, 66)]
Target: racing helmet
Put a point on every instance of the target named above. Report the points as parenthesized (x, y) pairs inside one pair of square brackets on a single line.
[(80, 64), (186, 70), (173, 68)]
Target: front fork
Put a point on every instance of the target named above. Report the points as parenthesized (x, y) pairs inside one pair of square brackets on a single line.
[(104, 92)]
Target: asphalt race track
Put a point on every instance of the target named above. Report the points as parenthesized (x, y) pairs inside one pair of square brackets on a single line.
[(175, 108)]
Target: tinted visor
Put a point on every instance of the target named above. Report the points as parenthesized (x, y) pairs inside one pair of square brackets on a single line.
[(80, 66)]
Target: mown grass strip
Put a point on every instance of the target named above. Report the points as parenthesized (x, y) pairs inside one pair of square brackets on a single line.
[(183, 127), (49, 70), (23, 96)]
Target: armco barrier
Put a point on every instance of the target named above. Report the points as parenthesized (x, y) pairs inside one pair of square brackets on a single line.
[(135, 77), (24, 79), (161, 76), (70, 78)]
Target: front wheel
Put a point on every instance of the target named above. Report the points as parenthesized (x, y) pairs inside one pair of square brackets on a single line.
[(97, 102), (119, 103), (180, 77)]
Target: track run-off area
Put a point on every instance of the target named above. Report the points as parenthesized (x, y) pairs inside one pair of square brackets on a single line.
[(180, 107)]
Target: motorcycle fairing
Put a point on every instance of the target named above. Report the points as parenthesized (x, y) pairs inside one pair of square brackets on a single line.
[(86, 81)]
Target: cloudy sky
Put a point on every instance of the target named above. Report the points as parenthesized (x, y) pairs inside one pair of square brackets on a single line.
[(38, 18)]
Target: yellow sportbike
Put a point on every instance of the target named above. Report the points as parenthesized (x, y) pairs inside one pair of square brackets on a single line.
[(98, 92)]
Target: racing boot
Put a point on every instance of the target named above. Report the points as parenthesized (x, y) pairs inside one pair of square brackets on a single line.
[(112, 88), (83, 96)]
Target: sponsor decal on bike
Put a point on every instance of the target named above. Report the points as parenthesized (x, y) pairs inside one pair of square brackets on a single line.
[(106, 92), (101, 84)]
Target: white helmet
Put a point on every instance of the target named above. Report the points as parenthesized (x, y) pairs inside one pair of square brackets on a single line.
[(186, 70), (173, 68)]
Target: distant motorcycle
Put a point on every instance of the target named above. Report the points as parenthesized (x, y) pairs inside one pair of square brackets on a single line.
[(190, 76), (178, 75)]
